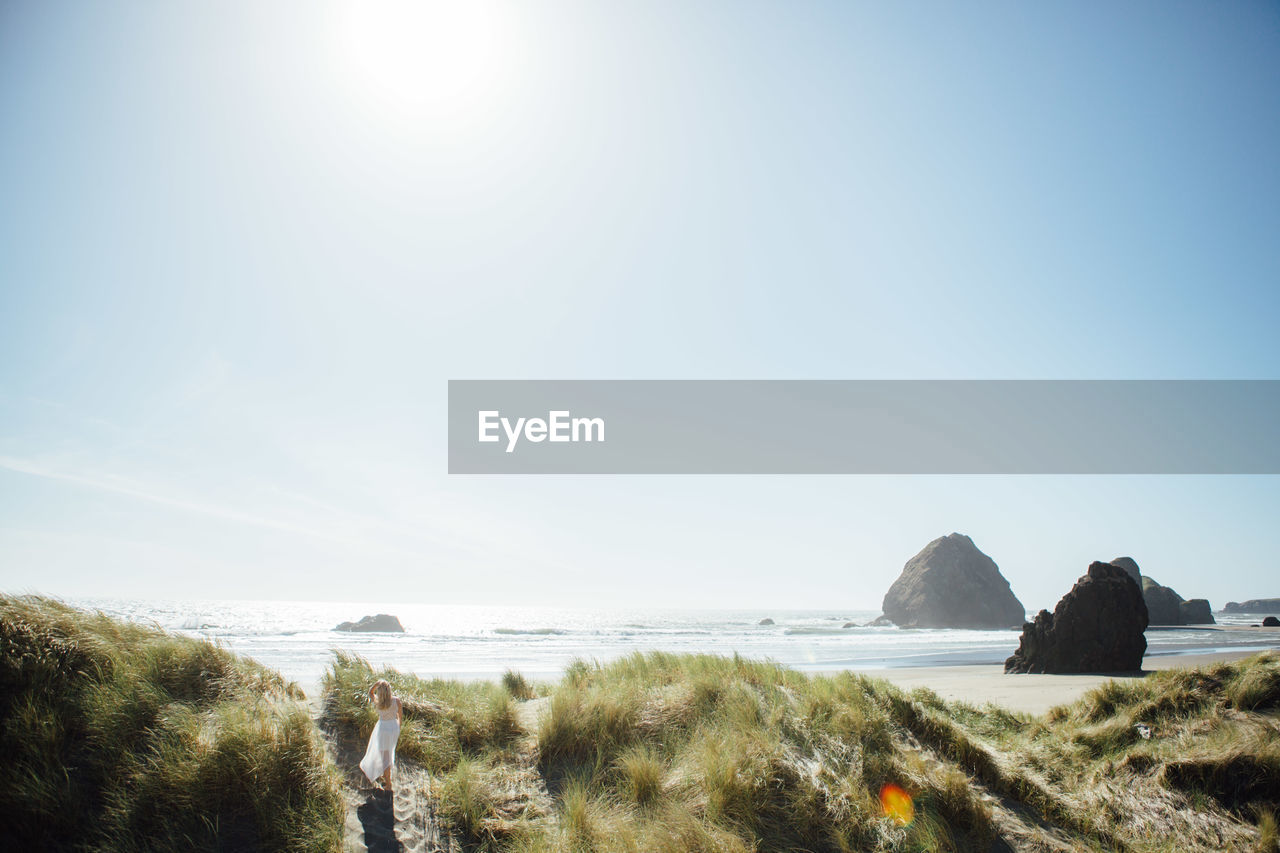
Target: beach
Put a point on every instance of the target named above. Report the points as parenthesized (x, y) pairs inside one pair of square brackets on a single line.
[(1032, 693)]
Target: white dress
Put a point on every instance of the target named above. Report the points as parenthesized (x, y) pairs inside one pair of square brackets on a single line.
[(381, 753)]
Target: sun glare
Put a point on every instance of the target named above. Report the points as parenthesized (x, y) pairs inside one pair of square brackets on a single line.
[(896, 803), (433, 59)]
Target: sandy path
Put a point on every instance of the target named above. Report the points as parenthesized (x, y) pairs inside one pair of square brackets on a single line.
[(404, 821), (378, 821)]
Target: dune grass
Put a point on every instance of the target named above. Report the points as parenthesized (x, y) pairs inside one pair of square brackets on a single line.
[(673, 752), (121, 737), (444, 721), (663, 752), (520, 687), (1184, 758)]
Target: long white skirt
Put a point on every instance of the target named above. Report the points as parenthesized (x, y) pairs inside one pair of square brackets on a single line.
[(381, 753)]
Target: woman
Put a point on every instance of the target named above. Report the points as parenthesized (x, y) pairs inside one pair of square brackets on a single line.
[(380, 757)]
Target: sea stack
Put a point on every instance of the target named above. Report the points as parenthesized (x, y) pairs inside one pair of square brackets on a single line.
[(1130, 566), (1196, 611), (1097, 627), (951, 584), (382, 623), (1164, 605)]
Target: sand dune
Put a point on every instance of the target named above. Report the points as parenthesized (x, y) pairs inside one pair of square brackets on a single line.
[(406, 821)]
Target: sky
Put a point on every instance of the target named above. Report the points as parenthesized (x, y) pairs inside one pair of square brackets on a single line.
[(244, 246)]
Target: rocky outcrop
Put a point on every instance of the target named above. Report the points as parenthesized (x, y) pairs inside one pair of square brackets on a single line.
[(1271, 622), (1097, 627), (1196, 611), (1253, 605), (1130, 565), (383, 622), (951, 584), (880, 621), (1164, 606), (850, 625), (765, 621)]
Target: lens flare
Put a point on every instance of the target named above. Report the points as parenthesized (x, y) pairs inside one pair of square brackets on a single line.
[(897, 804)]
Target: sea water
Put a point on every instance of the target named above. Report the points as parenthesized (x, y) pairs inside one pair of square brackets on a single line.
[(298, 637)]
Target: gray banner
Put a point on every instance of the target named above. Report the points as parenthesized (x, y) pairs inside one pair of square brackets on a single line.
[(864, 427)]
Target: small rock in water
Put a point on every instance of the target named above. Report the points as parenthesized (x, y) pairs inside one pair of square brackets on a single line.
[(383, 622), (765, 621), (1271, 622)]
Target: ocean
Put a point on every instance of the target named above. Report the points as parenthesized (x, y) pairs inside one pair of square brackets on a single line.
[(473, 642)]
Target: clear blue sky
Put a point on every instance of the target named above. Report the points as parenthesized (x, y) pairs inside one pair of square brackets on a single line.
[(244, 245)]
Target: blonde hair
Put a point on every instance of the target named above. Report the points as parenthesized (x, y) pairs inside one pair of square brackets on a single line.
[(382, 695)]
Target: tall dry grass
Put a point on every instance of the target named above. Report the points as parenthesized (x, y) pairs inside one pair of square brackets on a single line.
[(667, 753), (121, 737)]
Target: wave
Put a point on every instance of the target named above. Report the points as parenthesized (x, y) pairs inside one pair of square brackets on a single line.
[(536, 632), (195, 623)]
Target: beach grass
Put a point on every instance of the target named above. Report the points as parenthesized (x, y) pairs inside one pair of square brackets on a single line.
[(518, 686), (680, 752), (1184, 757), (444, 721), (121, 737), (663, 752)]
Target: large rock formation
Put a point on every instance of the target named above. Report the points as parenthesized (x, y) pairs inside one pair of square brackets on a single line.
[(1097, 627), (1164, 606), (1271, 622), (1196, 611), (951, 584), (1253, 605), (383, 622)]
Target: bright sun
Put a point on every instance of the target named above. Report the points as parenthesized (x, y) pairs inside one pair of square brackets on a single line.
[(432, 59)]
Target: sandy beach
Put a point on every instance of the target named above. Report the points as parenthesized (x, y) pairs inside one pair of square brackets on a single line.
[(1033, 694)]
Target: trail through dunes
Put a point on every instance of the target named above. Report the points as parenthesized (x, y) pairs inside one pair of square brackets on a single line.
[(404, 821)]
